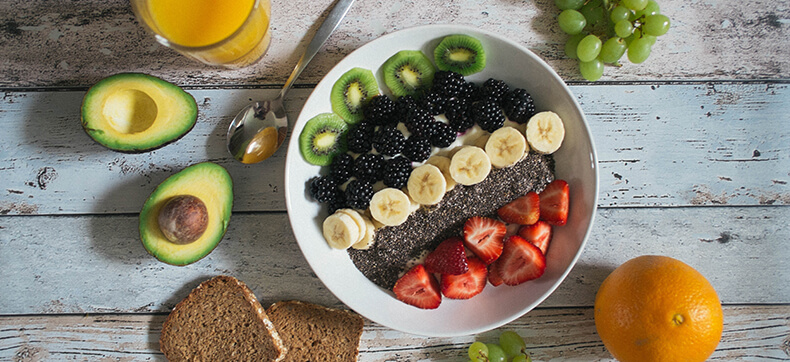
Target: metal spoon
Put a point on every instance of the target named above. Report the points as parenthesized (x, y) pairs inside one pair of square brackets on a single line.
[(260, 128)]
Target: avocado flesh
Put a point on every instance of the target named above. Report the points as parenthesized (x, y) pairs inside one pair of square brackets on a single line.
[(135, 112), (207, 181)]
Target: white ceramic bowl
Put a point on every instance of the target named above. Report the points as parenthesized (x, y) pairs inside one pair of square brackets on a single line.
[(576, 163)]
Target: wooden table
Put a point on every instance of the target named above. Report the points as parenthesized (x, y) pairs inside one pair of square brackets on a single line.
[(694, 150)]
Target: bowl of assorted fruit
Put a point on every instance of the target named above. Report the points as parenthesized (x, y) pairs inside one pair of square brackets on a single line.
[(441, 180)]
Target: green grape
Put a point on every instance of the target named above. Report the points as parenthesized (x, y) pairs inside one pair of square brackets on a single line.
[(572, 44), (512, 343), (478, 351), (612, 50), (522, 358), (589, 48), (495, 353), (639, 50), (651, 38), (592, 70), (623, 28), (651, 8), (569, 4), (571, 21), (655, 25), (619, 13), (594, 12), (634, 5)]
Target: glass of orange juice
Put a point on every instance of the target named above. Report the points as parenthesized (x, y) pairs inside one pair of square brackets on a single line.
[(229, 33)]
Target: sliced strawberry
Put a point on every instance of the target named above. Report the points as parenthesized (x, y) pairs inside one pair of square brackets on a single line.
[(418, 288), (539, 234), (493, 277), (466, 285), (524, 210), (484, 237), (448, 258), (521, 261), (554, 203)]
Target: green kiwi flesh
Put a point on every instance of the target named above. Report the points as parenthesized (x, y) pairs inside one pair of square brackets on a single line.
[(323, 137), (351, 92), (408, 72), (461, 54)]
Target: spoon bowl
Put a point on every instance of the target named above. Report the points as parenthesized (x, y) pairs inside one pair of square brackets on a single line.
[(260, 128)]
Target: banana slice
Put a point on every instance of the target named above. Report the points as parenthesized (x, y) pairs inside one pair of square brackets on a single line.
[(427, 185), (505, 147), (340, 231), (482, 140), (545, 132), (443, 163), (358, 219), (390, 206), (368, 237), (470, 165)]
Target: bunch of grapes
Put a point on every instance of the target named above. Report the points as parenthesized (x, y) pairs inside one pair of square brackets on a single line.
[(602, 31), (511, 347)]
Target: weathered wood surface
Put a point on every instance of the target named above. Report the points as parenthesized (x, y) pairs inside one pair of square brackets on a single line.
[(89, 264), (723, 144), (565, 334), (76, 43)]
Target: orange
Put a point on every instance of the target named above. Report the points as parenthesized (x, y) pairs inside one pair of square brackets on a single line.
[(656, 308)]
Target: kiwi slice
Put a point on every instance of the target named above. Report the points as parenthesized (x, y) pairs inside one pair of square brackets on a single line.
[(408, 72), (461, 54), (352, 92), (323, 137)]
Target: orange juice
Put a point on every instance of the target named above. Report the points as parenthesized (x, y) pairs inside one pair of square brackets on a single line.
[(233, 33)]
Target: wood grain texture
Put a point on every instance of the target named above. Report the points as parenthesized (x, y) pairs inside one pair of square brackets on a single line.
[(722, 144), (556, 334), (76, 43), (91, 264)]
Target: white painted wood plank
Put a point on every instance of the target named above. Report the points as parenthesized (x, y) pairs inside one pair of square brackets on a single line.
[(723, 143), (751, 333), (88, 264), (62, 43)]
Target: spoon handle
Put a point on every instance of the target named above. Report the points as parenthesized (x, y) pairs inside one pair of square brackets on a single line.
[(321, 35)]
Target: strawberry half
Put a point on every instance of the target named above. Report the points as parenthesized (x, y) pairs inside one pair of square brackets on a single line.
[(524, 210), (554, 203), (418, 288), (466, 285), (449, 257), (493, 277), (484, 237), (539, 234), (520, 261)]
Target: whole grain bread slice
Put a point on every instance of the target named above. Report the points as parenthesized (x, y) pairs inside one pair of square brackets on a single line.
[(220, 320), (316, 333)]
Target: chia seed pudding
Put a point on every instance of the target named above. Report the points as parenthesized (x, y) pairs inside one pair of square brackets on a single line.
[(397, 246)]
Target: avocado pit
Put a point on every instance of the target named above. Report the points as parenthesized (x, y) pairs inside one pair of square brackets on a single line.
[(183, 219)]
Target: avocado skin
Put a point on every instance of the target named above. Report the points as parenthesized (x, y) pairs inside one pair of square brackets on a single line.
[(213, 185), (98, 130)]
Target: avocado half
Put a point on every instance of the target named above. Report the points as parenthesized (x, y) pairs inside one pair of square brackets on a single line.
[(135, 112), (207, 181)]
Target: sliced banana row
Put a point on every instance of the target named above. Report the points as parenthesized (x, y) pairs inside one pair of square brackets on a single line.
[(427, 185), (390, 206), (505, 147), (545, 132), (348, 228), (443, 163)]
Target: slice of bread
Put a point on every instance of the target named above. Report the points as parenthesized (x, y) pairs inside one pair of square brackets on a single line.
[(220, 320), (316, 333)]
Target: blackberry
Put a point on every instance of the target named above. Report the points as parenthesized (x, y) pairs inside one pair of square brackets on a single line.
[(433, 102), (358, 194), (518, 105), (420, 122), (457, 114), (448, 83), (341, 167), (397, 172), (368, 167), (323, 188), (443, 135), (389, 141), (494, 88), (488, 115), (337, 202), (417, 149), (468, 91), (381, 111), (359, 138), (404, 107)]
